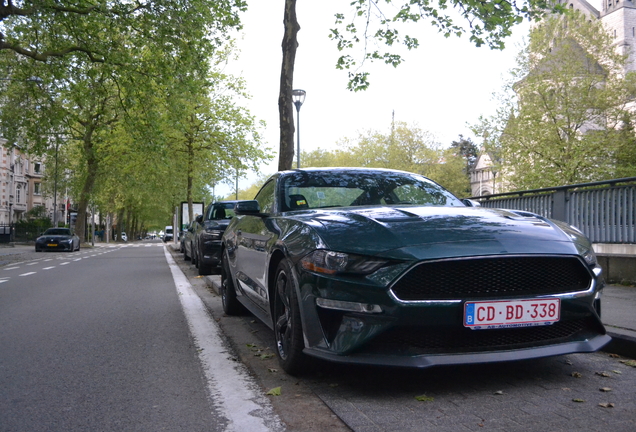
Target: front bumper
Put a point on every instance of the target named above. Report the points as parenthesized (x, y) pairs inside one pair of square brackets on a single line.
[(54, 246), (428, 333), (212, 252)]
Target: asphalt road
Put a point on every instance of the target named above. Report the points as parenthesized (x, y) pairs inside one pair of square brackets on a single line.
[(103, 340)]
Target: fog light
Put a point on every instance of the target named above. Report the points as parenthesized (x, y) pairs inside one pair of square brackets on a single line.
[(348, 306)]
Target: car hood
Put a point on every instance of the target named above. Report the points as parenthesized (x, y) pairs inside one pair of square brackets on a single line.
[(55, 237), (414, 232)]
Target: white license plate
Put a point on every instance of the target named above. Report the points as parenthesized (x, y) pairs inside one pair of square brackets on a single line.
[(512, 313)]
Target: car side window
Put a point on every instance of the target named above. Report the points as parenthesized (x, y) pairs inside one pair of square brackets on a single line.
[(265, 197), (208, 212)]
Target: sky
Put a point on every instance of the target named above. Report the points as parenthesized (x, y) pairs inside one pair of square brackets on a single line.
[(442, 87)]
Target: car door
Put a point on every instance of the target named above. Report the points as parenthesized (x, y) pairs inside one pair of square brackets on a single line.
[(254, 237)]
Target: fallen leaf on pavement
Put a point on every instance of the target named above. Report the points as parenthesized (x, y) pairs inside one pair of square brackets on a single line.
[(629, 362), (603, 374), (274, 392), (578, 400), (499, 392), (577, 374), (617, 372), (606, 405), (424, 398), (272, 370), (614, 356), (605, 389)]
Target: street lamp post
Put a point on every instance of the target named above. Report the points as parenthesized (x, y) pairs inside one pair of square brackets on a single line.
[(298, 96)]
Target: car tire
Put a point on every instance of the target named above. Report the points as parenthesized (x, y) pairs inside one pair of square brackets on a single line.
[(185, 255), (231, 304), (287, 324)]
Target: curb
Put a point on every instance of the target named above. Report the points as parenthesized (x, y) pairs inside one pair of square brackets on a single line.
[(623, 345)]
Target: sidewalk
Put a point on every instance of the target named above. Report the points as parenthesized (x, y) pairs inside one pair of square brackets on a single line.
[(618, 310)]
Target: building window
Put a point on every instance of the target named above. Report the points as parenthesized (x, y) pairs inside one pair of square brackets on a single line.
[(37, 167), (18, 191), (36, 188)]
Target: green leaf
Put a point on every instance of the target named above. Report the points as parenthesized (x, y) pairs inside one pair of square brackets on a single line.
[(274, 392), (424, 398)]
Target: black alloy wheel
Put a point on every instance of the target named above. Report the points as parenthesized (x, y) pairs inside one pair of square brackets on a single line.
[(287, 325), (231, 305)]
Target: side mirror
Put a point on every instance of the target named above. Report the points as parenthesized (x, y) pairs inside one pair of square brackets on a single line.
[(199, 219), (247, 208), (471, 203)]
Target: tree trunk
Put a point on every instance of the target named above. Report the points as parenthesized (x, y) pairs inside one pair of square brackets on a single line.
[(87, 189), (285, 104), (189, 185)]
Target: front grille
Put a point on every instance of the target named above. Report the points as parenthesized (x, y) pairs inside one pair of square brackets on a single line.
[(423, 340), (492, 277)]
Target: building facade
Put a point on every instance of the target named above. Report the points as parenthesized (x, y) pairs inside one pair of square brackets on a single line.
[(21, 185)]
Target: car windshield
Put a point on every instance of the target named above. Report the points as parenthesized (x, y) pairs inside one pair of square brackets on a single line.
[(58, 231), (223, 211), (316, 189)]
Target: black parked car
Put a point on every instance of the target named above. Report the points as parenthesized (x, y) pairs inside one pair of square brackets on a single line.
[(207, 235), (187, 241), (57, 239), (386, 267)]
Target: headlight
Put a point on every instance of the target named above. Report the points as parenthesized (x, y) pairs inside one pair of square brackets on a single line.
[(330, 262), (213, 234), (587, 253)]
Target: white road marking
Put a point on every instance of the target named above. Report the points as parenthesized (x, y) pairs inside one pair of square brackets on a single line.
[(27, 274), (48, 268), (64, 263), (11, 268), (241, 400)]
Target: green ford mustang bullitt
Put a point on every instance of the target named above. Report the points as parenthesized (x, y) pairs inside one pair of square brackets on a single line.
[(385, 267)]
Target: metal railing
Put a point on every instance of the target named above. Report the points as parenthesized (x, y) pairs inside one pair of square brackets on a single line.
[(605, 211)]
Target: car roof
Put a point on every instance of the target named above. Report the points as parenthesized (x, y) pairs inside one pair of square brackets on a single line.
[(346, 170)]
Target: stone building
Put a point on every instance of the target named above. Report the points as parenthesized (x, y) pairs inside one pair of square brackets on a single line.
[(21, 185), (619, 18)]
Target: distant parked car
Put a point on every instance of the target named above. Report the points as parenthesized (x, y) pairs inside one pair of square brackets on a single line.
[(187, 241), (57, 239), (168, 234), (207, 236)]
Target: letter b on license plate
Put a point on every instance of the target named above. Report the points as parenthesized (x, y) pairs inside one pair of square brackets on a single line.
[(513, 313)]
